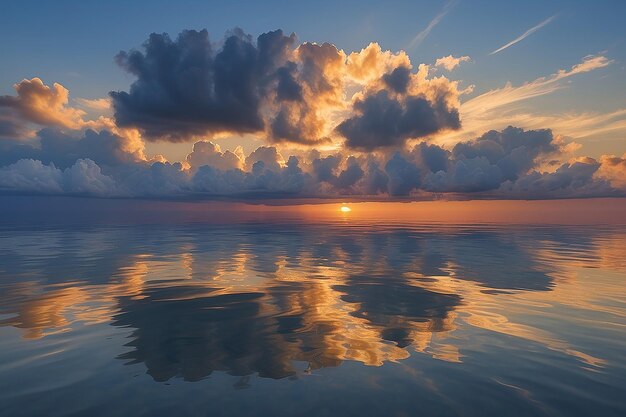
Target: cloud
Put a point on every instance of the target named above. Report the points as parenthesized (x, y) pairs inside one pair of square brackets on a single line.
[(575, 179), (187, 88), (386, 121), (485, 163), (449, 62), (54, 146), (317, 84), (190, 88), (209, 153), (613, 169), (38, 103), (369, 63), (268, 156), (499, 107), (403, 176), (524, 35), (512, 163), (184, 87), (382, 126), (82, 178), (100, 104), (398, 79), (541, 86), (328, 171), (419, 38), (12, 128), (513, 150)]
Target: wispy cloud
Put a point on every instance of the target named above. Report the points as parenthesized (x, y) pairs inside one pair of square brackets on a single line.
[(524, 35), (419, 38), (100, 104), (498, 108)]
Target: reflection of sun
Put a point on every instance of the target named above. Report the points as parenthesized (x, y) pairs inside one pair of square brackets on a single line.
[(345, 209)]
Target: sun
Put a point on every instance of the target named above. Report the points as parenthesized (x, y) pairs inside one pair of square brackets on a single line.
[(345, 209)]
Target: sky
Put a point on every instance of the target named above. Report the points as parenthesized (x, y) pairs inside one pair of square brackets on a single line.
[(367, 100)]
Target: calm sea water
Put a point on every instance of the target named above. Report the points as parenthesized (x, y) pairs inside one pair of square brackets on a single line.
[(282, 316)]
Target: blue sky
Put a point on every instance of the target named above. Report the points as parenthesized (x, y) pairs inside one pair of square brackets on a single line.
[(73, 42)]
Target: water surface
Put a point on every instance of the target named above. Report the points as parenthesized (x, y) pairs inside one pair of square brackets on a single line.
[(276, 315)]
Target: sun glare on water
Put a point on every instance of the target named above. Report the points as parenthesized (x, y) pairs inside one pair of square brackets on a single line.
[(345, 209)]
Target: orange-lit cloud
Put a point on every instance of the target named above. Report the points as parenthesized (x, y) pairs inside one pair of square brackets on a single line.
[(613, 168), (41, 104), (449, 62)]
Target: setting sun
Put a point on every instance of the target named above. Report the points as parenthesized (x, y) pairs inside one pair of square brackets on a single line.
[(345, 209)]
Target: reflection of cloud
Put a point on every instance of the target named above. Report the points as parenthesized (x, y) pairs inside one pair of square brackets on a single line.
[(42, 314), (255, 300), (395, 305)]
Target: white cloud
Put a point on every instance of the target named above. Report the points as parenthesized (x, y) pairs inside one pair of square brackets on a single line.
[(524, 35), (419, 38)]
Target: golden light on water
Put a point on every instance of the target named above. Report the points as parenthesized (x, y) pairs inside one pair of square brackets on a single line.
[(345, 209)]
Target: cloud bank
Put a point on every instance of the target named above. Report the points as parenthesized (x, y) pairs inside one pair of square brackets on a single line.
[(512, 163), (335, 124)]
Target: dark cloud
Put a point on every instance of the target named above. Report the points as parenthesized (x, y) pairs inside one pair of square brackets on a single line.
[(398, 79), (403, 176), (350, 175), (190, 87), (385, 121), (63, 150), (375, 180), (104, 148), (487, 162), (185, 87), (434, 158), (12, 151), (285, 126), (10, 128), (288, 88), (465, 176), (513, 150), (324, 168), (574, 179)]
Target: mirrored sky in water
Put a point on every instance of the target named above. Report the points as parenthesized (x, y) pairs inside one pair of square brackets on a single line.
[(263, 316)]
